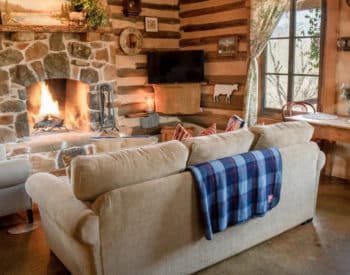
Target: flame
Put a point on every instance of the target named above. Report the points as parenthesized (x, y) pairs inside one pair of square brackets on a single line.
[(48, 105)]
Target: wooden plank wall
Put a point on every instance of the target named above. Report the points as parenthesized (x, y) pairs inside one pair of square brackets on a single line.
[(203, 23), (132, 85)]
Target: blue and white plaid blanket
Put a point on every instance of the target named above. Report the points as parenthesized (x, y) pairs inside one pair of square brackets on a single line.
[(235, 189)]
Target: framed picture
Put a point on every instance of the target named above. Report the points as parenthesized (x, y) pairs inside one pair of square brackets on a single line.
[(228, 46), (38, 12), (151, 24)]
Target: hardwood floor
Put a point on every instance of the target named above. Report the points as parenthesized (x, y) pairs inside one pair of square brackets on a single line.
[(320, 247)]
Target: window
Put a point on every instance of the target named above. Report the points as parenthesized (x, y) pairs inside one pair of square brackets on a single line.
[(291, 61)]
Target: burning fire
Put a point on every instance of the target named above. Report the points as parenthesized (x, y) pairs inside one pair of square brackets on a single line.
[(58, 105), (47, 106)]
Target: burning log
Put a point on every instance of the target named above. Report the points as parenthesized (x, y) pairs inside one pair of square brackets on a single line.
[(49, 122)]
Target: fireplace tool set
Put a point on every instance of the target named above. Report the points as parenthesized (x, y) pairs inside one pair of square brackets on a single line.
[(107, 115)]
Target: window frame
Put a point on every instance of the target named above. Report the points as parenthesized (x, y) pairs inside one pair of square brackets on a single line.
[(265, 111)]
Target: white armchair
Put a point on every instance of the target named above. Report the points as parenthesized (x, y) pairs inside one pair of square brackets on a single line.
[(13, 196)]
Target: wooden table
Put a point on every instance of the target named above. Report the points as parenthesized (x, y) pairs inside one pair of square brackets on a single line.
[(337, 130), (331, 130)]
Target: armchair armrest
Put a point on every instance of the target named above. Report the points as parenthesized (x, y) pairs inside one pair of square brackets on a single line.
[(2, 152), (56, 200), (14, 172), (321, 161)]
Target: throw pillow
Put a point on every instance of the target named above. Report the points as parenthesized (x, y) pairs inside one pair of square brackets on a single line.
[(234, 123), (209, 131), (181, 133)]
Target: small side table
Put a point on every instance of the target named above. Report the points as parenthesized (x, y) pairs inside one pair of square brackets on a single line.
[(167, 132)]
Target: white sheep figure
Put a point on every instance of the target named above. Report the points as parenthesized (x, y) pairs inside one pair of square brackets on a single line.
[(224, 89)]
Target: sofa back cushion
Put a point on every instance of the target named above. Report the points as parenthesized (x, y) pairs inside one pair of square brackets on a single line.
[(281, 134), (207, 148), (96, 174)]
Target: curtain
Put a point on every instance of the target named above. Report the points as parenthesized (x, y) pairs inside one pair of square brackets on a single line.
[(264, 16)]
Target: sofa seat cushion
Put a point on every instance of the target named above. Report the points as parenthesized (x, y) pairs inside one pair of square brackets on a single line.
[(281, 134), (96, 174), (207, 148)]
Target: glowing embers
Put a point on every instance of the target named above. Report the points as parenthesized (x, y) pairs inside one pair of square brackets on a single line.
[(57, 105)]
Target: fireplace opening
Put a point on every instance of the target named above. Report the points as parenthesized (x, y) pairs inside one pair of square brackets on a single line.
[(58, 105)]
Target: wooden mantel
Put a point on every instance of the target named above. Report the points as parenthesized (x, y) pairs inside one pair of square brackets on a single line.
[(52, 29)]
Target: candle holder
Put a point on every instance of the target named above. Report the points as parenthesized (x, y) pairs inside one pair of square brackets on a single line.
[(149, 104)]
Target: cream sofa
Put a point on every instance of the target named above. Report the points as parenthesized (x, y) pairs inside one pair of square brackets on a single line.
[(137, 212)]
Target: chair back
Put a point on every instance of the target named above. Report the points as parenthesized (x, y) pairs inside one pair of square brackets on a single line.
[(296, 108)]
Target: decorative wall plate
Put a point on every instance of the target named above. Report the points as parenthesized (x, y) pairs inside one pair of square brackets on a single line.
[(131, 41)]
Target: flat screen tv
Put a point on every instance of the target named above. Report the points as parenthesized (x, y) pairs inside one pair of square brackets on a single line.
[(175, 66)]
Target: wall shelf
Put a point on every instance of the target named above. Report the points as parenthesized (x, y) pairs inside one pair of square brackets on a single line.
[(52, 29)]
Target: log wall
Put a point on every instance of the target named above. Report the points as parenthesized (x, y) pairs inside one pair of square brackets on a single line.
[(188, 25), (132, 81), (202, 24)]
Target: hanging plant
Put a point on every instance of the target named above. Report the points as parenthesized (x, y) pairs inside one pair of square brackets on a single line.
[(95, 13)]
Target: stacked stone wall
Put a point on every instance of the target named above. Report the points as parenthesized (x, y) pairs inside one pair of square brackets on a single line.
[(26, 58)]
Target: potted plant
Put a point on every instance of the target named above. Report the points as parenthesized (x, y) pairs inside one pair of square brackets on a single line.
[(95, 14)]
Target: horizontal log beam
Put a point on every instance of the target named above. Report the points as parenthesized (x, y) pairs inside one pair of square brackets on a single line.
[(211, 10), (135, 90), (190, 1), (226, 79), (207, 119), (209, 40), (134, 19), (154, 6), (159, 34), (214, 26), (132, 108), (131, 72), (214, 57), (236, 103)]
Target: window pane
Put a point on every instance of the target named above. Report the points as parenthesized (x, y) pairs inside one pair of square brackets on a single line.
[(277, 56), (308, 19), (307, 56), (305, 87), (275, 91), (282, 28)]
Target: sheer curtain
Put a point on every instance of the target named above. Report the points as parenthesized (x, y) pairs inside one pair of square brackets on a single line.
[(264, 16)]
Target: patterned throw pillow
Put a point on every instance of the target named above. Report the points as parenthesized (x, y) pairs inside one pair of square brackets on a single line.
[(234, 123), (209, 131), (181, 133)]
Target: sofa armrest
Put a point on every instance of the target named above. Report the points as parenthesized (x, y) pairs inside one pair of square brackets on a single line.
[(14, 172), (55, 198)]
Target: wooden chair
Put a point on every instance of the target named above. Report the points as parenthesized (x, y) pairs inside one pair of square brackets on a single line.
[(296, 108)]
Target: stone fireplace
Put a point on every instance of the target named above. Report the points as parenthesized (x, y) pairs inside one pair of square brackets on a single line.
[(27, 59), (69, 69)]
